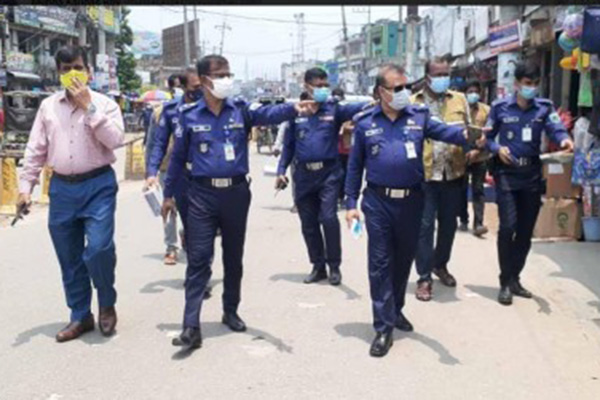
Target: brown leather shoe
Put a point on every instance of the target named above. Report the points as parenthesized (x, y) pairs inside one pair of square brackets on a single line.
[(171, 257), (445, 277), (75, 329), (107, 320), (424, 290)]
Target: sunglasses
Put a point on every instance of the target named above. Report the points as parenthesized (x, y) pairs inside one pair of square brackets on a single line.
[(399, 88)]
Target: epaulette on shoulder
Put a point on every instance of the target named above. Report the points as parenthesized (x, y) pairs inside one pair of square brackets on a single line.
[(498, 102), (546, 102), (239, 100), (188, 106), (362, 114)]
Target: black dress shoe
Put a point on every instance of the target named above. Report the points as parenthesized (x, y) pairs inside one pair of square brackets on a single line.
[(190, 337), (381, 345), (518, 290), (208, 292), (317, 274), (505, 296), (234, 322), (403, 324), (335, 276)]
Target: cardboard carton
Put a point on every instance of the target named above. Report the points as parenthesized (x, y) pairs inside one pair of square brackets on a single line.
[(558, 181), (559, 218)]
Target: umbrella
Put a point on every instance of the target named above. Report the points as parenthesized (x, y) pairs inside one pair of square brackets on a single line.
[(155, 95)]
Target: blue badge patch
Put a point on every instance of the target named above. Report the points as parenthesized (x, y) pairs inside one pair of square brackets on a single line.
[(373, 132)]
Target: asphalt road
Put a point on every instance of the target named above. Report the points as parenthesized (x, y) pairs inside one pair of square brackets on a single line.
[(303, 341)]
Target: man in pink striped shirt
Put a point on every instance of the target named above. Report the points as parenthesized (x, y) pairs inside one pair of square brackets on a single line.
[(75, 132)]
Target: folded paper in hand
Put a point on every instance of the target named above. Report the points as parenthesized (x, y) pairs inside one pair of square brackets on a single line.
[(154, 197)]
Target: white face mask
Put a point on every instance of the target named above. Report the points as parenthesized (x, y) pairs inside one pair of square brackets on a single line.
[(400, 99), (222, 88)]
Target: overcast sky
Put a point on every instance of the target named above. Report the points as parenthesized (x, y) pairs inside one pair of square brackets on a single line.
[(264, 43)]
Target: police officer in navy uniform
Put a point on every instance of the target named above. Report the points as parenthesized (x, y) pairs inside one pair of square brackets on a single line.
[(313, 146), (388, 144), (214, 140), (517, 122)]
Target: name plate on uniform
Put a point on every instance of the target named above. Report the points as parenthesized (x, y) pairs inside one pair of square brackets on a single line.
[(326, 118), (508, 120), (201, 128), (373, 132), (301, 120)]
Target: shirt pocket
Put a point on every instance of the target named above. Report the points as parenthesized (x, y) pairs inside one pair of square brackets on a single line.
[(374, 146), (204, 144)]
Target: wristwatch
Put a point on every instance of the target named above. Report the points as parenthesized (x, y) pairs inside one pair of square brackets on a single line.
[(91, 109)]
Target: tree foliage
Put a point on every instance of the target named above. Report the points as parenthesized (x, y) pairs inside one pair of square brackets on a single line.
[(128, 80)]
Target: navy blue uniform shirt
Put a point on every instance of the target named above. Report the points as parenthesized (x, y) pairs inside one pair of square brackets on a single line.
[(217, 145), (392, 152), (315, 138)]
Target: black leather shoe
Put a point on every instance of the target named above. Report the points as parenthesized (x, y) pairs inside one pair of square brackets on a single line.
[(505, 296), (381, 345), (335, 276), (234, 322), (519, 290), (190, 337), (403, 324), (208, 292), (317, 274)]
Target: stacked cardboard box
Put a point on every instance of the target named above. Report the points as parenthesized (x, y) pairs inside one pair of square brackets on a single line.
[(560, 216)]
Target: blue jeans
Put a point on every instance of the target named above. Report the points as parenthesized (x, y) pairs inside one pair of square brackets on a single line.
[(82, 225), (442, 202)]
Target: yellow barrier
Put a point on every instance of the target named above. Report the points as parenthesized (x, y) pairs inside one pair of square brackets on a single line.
[(9, 189), (135, 163), (46, 176)]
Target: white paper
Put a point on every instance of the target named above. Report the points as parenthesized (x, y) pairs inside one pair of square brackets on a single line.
[(555, 169), (154, 197)]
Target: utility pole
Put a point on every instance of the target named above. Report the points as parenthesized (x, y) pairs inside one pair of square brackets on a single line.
[(197, 34), (223, 27), (301, 30), (346, 44), (186, 38)]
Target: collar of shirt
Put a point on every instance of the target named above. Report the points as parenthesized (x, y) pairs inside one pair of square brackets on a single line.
[(422, 94), (410, 110), (512, 102), (226, 103)]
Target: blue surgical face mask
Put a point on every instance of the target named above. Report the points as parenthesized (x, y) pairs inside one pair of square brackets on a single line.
[(440, 84), (195, 95), (320, 95), (528, 92), (473, 98)]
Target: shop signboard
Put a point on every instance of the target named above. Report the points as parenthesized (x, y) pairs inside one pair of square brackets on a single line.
[(541, 33), (109, 21), (50, 18), (505, 37), (21, 62), (146, 43), (506, 73)]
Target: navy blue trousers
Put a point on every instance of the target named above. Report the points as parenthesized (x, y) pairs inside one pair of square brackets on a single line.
[(393, 229), (209, 209), (181, 196), (442, 202), (518, 211), (316, 196), (82, 225)]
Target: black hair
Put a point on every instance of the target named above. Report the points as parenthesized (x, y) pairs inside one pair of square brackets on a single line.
[(314, 73), (338, 92), (68, 54), (171, 80), (475, 84), (527, 70), (434, 60), (304, 96), (380, 78), (204, 65)]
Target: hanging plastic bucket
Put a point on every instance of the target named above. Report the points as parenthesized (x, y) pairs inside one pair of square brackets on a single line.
[(591, 229)]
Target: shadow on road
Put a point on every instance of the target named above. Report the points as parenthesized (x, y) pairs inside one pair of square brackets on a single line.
[(365, 332), (351, 294), (441, 293), (176, 284), (277, 208), (156, 256), (217, 329), (490, 293), (48, 330)]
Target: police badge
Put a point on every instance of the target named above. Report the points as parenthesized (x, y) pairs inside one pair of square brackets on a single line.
[(510, 135), (203, 147), (374, 149)]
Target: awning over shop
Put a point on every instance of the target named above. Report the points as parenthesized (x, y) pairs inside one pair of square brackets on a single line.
[(24, 75)]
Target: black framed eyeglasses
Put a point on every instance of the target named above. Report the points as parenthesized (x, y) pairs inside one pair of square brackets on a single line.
[(400, 88)]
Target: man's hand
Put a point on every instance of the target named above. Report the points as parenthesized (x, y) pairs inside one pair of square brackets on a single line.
[(306, 107), (567, 145), (150, 181), (505, 155), (168, 207), (80, 95), (24, 203), (481, 142), (281, 182), (472, 155), (351, 215)]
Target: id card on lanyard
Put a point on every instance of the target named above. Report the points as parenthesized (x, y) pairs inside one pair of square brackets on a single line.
[(228, 148), (526, 135)]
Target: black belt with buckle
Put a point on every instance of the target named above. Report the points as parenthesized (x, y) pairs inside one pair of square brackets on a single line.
[(76, 178), (393, 193), (220, 183), (526, 161), (318, 165)]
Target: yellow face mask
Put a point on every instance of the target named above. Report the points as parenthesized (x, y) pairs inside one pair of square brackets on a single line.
[(67, 79)]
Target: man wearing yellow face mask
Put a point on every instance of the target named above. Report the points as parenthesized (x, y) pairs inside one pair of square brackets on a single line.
[(75, 132)]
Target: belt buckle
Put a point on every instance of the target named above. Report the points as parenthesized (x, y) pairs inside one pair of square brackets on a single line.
[(188, 166), (522, 162), (397, 193), (314, 166), (221, 182)]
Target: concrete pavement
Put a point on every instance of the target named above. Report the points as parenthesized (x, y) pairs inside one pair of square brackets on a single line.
[(303, 341)]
